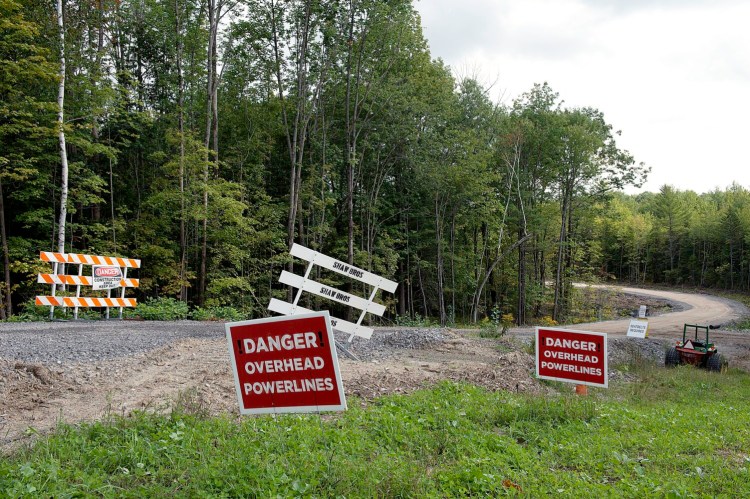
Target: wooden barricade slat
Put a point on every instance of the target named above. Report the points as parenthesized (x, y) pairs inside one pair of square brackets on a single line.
[(83, 280), (48, 256), (72, 301)]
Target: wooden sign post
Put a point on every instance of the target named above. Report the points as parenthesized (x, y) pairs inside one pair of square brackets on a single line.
[(304, 283)]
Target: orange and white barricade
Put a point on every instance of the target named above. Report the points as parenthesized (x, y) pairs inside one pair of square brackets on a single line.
[(107, 272)]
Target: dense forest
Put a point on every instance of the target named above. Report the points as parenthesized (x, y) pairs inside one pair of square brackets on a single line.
[(204, 137)]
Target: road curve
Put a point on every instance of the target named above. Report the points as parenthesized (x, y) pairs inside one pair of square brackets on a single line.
[(696, 309)]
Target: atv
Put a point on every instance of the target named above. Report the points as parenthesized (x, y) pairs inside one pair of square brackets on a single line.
[(695, 351)]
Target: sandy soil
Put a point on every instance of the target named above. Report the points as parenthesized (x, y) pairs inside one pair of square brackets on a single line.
[(196, 372)]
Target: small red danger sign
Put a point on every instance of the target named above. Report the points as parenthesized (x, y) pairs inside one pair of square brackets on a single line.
[(286, 364), (573, 356), (107, 271)]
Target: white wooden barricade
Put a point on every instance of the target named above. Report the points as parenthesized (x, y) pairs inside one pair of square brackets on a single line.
[(79, 280), (303, 283)]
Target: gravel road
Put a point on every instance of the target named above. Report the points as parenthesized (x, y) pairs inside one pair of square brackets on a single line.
[(84, 341), (695, 308), (87, 341)]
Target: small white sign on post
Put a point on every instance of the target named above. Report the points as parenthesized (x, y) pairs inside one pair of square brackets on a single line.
[(105, 276), (642, 311), (304, 283), (638, 328)]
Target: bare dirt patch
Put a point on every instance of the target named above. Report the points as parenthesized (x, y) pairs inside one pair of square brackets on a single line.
[(38, 396)]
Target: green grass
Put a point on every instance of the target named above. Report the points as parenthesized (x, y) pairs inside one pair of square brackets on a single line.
[(676, 433)]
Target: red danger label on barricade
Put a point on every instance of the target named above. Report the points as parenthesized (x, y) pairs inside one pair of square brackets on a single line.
[(286, 364), (572, 356), (105, 277), (107, 271)]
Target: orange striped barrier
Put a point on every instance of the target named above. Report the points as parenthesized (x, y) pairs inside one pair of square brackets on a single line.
[(71, 301), (108, 272), (80, 280), (52, 257)]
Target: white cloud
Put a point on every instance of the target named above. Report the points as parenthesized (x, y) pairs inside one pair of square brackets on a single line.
[(672, 75)]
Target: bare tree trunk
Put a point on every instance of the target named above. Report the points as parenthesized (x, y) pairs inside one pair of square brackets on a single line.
[(521, 308), (181, 173), (453, 267), (351, 144), (440, 269), (561, 251), (214, 14), (421, 288), (61, 138), (6, 308), (401, 306)]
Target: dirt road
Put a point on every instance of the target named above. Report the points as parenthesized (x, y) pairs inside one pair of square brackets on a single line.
[(696, 309)]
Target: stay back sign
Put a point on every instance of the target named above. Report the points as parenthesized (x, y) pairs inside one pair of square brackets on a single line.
[(573, 356), (285, 364)]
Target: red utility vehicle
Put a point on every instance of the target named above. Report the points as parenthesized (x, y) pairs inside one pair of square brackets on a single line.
[(695, 351)]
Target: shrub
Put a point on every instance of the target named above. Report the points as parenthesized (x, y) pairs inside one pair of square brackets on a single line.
[(161, 309), (229, 314), (548, 321), (417, 321), (33, 313), (494, 325), (507, 320)]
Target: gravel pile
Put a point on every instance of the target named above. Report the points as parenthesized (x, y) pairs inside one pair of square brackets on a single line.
[(385, 342), (635, 350)]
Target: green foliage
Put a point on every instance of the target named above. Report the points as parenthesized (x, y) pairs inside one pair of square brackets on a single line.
[(444, 180), (228, 314), (452, 440), (531, 347), (494, 326), (30, 312), (160, 309), (416, 321)]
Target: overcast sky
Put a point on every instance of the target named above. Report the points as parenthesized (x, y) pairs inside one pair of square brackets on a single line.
[(672, 75)]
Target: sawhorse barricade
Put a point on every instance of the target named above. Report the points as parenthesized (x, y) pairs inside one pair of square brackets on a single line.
[(107, 272), (303, 283)]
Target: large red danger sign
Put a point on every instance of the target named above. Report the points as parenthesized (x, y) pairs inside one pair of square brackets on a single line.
[(286, 364), (573, 356)]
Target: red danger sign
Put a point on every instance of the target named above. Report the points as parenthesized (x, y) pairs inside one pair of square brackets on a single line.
[(286, 364), (573, 356), (107, 271)]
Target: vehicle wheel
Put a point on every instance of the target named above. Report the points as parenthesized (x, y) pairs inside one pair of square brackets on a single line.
[(716, 363), (672, 358)]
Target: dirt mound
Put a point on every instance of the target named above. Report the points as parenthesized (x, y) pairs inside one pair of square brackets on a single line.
[(482, 362), (28, 386)]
